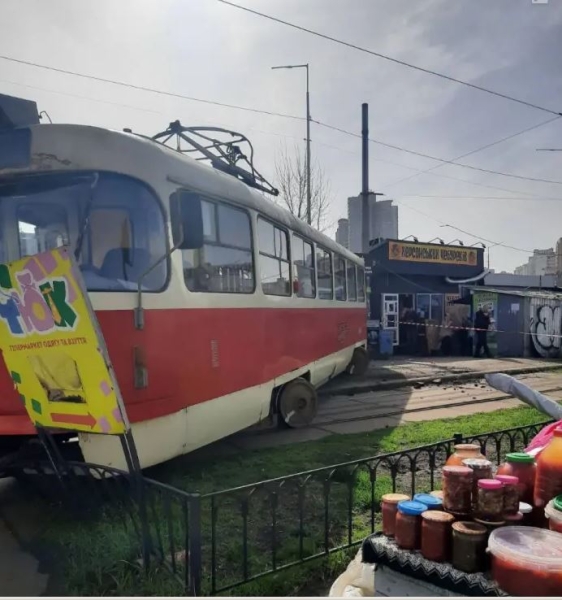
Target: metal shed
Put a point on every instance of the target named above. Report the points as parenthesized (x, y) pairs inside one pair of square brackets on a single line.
[(526, 322)]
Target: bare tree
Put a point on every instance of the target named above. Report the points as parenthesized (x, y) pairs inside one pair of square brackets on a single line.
[(290, 172)]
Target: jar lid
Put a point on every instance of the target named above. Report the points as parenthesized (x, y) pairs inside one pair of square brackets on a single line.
[(439, 516), (520, 457), (469, 528), (525, 508), (557, 503), (527, 545), (467, 447), (508, 479), (394, 498), (457, 471), (437, 493), (409, 507), (477, 463), (429, 500), (490, 484)]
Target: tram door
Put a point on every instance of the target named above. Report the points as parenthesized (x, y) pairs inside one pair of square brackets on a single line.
[(390, 315)]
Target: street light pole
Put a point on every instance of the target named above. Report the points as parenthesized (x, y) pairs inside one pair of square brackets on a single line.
[(308, 121), (308, 190)]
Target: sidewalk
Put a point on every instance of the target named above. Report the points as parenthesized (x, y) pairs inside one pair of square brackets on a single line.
[(418, 371)]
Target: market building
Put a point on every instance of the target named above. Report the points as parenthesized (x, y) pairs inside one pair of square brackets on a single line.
[(413, 292)]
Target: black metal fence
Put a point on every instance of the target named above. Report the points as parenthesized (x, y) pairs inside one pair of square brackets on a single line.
[(215, 542)]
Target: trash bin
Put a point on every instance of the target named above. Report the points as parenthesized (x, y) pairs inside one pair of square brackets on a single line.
[(386, 340)]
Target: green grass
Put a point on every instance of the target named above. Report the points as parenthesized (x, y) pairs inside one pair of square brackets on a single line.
[(99, 556)]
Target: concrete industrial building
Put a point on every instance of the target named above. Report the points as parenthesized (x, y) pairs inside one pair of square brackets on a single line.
[(383, 217), (342, 233)]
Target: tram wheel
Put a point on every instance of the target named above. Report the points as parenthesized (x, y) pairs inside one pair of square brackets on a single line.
[(359, 363), (298, 404)]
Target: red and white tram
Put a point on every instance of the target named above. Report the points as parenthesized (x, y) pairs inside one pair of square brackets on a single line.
[(251, 312)]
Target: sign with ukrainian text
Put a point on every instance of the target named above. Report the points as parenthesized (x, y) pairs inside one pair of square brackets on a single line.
[(53, 348), (432, 253)]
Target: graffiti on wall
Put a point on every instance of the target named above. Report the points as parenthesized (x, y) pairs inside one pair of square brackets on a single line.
[(546, 327)]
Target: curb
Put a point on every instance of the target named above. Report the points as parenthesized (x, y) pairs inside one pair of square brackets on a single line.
[(374, 385)]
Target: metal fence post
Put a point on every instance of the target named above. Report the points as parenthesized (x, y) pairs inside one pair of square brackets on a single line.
[(195, 543), (458, 438)]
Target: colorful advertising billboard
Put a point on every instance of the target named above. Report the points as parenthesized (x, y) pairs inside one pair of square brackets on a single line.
[(53, 348)]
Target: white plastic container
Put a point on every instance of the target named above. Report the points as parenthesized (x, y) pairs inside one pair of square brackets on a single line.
[(527, 561)]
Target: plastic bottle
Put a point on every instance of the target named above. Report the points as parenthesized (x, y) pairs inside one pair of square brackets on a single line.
[(548, 481)]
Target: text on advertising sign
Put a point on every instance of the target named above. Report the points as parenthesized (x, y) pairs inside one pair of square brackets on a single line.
[(444, 255), (52, 349)]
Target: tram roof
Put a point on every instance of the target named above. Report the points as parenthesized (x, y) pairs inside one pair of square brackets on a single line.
[(84, 147)]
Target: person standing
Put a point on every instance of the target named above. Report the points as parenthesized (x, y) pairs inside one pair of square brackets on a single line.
[(481, 326)]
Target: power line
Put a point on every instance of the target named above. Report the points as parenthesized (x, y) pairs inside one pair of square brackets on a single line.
[(441, 160), (454, 197), (389, 58), (477, 237), (266, 112), (143, 88), (476, 150)]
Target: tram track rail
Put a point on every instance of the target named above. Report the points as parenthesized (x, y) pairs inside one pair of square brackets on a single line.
[(431, 407)]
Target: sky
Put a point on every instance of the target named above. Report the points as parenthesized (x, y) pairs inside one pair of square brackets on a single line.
[(208, 50)]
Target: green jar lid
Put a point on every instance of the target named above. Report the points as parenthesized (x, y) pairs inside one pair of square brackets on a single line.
[(557, 503), (520, 457)]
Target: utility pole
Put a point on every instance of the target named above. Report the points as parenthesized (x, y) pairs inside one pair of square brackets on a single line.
[(308, 121), (308, 191), (365, 178)]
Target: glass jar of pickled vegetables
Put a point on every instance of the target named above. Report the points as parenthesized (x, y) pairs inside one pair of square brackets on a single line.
[(481, 469), (489, 505), (407, 531), (522, 466), (389, 509), (432, 502), (457, 489), (510, 493), (463, 451), (436, 535), (469, 546)]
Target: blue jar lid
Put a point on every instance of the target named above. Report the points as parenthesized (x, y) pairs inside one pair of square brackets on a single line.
[(429, 500), (409, 507)]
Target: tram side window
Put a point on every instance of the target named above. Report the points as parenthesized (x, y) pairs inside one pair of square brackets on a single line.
[(225, 262), (303, 261), (325, 274), (274, 259), (341, 285), (351, 282), (360, 284)]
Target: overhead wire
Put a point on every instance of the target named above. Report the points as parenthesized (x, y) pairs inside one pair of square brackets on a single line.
[(389, 58), (152, 90), (476, 150), (269, 113), (443, 160)]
